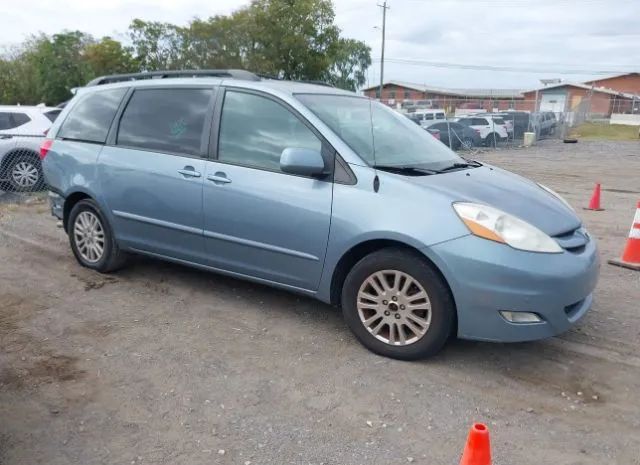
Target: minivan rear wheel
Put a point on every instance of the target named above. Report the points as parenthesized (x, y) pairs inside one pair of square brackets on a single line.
[(398, 305), (92, 240)]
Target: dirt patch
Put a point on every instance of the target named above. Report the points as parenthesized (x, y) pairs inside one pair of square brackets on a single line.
[(26, 359)]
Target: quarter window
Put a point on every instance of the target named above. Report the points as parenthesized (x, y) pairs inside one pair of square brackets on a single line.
[(254, 131), (90, 119), (165, 120)]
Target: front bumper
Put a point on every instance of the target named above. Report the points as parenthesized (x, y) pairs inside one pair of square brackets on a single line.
[(486, 277)]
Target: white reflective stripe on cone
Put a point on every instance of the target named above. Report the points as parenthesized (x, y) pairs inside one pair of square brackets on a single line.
[(635, 226)]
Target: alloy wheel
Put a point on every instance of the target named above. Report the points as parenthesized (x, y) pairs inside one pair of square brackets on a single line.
[(394, 307), (89, 236)]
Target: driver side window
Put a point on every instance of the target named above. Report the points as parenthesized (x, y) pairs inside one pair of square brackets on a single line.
[(254, 131)]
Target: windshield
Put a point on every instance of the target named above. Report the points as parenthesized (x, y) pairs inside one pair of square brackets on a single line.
[(379, 135)]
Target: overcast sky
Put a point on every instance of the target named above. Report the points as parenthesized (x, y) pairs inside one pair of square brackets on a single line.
[(543, 36)]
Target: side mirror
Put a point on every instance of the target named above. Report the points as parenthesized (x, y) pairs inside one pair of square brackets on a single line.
[(303, 162)]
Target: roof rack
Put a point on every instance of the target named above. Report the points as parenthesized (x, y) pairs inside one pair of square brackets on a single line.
[(223, 73), (302, 81)]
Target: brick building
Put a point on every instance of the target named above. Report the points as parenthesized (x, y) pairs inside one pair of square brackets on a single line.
[(628, 83), (586, 98), (599, 98), (396, 93)]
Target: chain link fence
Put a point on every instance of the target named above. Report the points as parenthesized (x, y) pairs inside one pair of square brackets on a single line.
[(501, 121)]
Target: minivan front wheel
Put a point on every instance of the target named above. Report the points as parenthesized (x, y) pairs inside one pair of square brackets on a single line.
[(91, 238), (398, 305)]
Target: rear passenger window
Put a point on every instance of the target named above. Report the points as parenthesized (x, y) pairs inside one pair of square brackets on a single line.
[(12, 120), (19, 119), (90, 118), (439, 115), (165, 120), (255, 130), (5, 121)]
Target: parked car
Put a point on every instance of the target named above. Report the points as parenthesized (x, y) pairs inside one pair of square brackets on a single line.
[(519, 120), (545, 122), (22, 130), (426, 118), (508, 124), (323, 192), (455, 135), (492, 130)]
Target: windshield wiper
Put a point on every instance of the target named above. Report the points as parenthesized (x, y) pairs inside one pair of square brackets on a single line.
[(408, 170), (458, 165), (472, 162)]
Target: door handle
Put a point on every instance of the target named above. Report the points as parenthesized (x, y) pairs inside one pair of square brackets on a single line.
[(219, 178), (189, 172)]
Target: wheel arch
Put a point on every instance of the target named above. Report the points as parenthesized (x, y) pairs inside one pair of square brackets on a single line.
[(360, 250), (69, 202)]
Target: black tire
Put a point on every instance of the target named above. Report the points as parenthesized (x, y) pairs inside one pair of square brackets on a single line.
[(467, 143), (26, 160), (443, 310), (491, 140), (112, 257)]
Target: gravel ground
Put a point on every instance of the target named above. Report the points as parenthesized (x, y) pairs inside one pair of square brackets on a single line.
[(161, 364)]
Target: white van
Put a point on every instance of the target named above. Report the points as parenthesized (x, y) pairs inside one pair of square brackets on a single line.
[(426, 118)]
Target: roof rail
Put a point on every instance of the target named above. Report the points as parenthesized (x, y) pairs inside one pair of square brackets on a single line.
[(302, 81), (223, 73)]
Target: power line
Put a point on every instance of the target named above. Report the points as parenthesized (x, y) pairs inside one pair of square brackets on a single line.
[(449, 65)]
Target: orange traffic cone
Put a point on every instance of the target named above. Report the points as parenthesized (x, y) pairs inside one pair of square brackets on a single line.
[(631, 255), (478, 450), (594, 203)]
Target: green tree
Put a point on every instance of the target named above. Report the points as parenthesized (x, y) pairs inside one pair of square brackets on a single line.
[(350, 62), (293, 39), (156, 45), (108, 56), (58, 66)]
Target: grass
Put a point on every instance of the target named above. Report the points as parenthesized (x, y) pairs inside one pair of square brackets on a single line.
[(605, 131)]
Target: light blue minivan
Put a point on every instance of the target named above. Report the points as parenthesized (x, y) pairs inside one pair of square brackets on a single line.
[(322, 192)]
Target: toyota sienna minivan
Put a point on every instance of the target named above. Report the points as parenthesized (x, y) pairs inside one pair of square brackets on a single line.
[(322, 192)]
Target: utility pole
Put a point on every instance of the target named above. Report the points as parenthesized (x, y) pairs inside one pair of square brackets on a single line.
[(384, 23)]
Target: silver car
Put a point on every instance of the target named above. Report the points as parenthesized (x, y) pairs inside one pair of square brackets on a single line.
[(22, 130)]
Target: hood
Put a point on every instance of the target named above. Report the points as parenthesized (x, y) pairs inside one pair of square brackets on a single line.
[(506, 191)]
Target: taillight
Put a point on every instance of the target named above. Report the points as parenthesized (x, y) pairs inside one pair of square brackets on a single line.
[(45, 147)]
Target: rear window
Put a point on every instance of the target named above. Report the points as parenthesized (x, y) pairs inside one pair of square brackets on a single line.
[(498, 120), (90, 118), (165, 120)]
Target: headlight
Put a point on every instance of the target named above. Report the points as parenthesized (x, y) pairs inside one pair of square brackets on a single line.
[(495, 225), (557, 196)]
